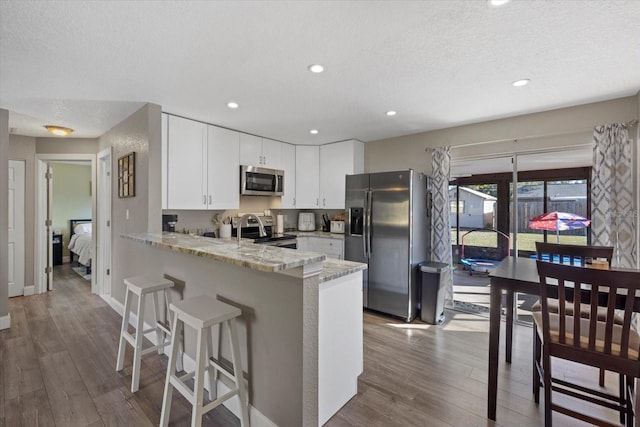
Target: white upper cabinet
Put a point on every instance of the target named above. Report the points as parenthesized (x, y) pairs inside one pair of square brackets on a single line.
[(336, 162), (288, 200), (203, 169), (271, 153), (250, 150), (223, 170), (307, 176), (262, 152), (186, 164)]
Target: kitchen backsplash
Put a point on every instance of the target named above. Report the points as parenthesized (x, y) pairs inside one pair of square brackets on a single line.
[(198, 222)]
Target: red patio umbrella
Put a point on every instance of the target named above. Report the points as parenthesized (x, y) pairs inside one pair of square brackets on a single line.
[(558, 221)]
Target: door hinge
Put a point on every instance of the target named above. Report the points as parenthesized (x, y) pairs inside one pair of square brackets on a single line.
[(108, 173), (48, 270), (48, 222), (108, 223), (108, 271), (48, 175)]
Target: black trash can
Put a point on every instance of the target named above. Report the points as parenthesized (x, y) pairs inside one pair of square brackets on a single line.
[(432, 292)]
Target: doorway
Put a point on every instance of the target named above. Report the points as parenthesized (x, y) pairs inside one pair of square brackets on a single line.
[(45, 226)]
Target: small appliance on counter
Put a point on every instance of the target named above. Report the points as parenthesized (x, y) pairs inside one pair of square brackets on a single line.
[(337, 227), (306, 221), (169, 222)]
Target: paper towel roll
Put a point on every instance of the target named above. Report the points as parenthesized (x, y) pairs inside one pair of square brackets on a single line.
[(279, 224)]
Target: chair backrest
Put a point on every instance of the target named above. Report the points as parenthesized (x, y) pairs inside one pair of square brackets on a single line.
[(572, 254), (603, 344)]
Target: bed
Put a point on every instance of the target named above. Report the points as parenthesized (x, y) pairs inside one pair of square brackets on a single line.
[(80, 241)]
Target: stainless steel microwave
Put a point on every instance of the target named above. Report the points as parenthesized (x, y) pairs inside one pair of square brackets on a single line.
[(255, 181)]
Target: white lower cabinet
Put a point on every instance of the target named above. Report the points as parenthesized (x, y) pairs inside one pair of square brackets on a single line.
[(333, 248)]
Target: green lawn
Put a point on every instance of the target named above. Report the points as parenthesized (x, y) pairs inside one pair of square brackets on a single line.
[(526, 241)]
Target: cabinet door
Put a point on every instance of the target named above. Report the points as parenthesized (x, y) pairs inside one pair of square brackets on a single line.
[(164, 156), (288, 200), (250, 150), (303, 244), (307, 176), (223, 169), (336, 160), (271, 153), (186, 167)]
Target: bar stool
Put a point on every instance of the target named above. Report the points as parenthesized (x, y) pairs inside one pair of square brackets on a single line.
[(143, 286), (202, 313)]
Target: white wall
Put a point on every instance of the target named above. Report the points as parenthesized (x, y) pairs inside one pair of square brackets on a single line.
[(566, 126), (140, 132)]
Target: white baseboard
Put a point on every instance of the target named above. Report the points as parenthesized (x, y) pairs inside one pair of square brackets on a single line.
[(257, 419), (5, 322), (29, 290)]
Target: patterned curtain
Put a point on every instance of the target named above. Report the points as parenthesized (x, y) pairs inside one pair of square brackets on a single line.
[(612, 203), (441, 229)]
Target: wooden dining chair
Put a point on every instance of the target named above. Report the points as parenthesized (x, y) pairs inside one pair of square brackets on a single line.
[(588, 340), (581, 255)]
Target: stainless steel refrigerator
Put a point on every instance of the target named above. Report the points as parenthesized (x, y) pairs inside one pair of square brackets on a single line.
[(388, 227)]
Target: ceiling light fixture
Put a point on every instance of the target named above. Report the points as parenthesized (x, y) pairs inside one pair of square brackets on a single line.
[(522, 82), (313, 131), (497, 3), (316, 68), (58, 130), (232, 105), (390, 113)]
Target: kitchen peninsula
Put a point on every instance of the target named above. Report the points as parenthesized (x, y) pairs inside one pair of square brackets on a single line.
[(301, 323)]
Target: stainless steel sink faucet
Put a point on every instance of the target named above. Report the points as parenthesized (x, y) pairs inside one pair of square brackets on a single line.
[(244, 219)]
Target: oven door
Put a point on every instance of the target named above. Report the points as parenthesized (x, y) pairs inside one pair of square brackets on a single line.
[(255, 181)]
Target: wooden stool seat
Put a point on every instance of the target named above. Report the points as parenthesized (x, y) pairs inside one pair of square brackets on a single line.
[(201, 314), (141, 286)]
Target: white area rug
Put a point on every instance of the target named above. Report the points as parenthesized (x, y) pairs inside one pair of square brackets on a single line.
[(82, 271)]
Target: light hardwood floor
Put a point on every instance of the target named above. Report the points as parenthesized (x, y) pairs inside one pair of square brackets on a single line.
[(57, 368)]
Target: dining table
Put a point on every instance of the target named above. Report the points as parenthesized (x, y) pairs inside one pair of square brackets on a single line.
[(515, 274)]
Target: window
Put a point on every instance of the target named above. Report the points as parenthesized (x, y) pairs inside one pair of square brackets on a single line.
[(457, 208)]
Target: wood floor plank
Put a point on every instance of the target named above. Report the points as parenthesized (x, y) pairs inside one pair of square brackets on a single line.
[(118, 408), (29, 410), (71, 404), (21, 369)]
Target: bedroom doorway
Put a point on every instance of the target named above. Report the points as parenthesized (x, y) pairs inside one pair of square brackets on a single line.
[(56, 205)]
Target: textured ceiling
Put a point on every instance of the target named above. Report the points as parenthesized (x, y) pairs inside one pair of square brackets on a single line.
[(88, 65)]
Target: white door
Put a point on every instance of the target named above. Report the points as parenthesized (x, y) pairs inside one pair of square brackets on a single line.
[(16, 228), (103, 264), (49, 223)]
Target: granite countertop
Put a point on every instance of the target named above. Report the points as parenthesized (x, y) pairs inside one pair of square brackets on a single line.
[(244, 254), (334, 268), (317, 233), (247, 254)]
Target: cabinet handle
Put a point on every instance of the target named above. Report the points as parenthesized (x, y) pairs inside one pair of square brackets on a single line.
[(204, 199), (210, 199), (317, 202), (294, 201), (324, 202)]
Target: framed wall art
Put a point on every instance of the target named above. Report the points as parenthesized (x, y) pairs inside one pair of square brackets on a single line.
[(126, 175)]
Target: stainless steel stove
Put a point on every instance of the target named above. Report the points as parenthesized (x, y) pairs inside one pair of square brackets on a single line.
[(252, 231)]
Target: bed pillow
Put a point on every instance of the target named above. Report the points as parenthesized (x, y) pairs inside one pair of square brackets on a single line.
[(83, 228)]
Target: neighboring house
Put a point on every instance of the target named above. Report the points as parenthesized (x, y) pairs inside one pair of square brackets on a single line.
[(475, 209)]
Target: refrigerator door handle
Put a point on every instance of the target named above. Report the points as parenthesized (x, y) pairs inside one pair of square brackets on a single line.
[(368, 221), (364, 225)]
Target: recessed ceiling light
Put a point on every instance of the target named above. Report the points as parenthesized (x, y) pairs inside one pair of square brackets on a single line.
[(58, 130), (232, 104), (313, 131), (316, 68), (497, 3), (390, 113), (522, 82)]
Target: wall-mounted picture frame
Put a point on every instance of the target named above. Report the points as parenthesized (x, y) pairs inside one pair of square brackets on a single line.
[(126, 175)]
